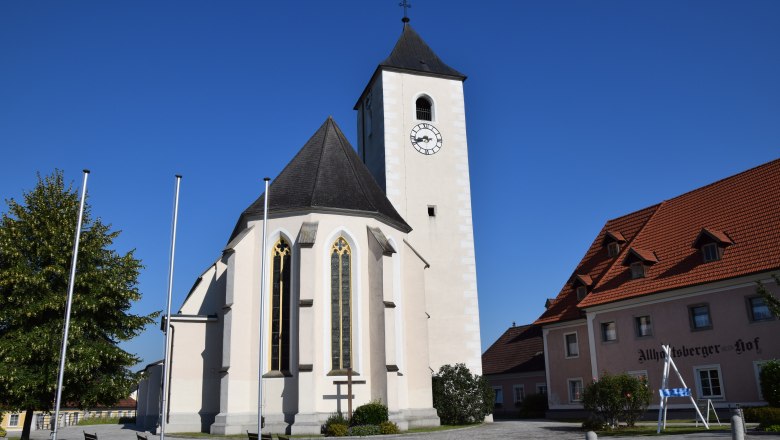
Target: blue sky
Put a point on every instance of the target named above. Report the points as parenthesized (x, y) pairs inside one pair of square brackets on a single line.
[(577, 112)]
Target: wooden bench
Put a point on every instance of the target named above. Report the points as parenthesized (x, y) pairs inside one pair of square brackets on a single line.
[(90, 436), (141, 437)]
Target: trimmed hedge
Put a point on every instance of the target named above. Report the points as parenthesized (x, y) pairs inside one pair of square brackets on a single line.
[(767, 417), (363, 430), (372, 413)]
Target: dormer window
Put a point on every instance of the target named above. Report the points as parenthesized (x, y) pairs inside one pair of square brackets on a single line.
[(711, 243), (424, 109), (582, 285), (710, 252), (637, 270), (613, 240), (638, 260)]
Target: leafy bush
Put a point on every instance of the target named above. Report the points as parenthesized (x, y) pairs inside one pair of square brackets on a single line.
[(363, 430), (770, 382), (337, 430), (460, 397), (533, 406), (336, 425), (2, 431), (772, 428), (388, 428), (765, 416), (615, 397), (372, 413)]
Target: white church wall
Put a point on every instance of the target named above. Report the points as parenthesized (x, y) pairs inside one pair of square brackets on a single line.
[(208, 294), (194, 374), (416, 181), (238, 388)]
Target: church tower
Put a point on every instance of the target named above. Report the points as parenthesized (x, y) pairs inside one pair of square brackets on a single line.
[(412, 138)]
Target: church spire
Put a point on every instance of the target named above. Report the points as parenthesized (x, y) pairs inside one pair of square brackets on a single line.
[(406, 5)]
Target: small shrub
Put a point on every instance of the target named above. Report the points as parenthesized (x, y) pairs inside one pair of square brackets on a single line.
[(2, 431), (772, 428), (461, 397), (534, 406), (372, 413), (768, 418), (763, 415), (770, 382), (388, 428), (363, 430), (615, 397), (337, 430)]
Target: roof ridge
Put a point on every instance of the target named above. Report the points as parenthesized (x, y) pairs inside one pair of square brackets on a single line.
[(319, 161), (628, 246), (355, 172)]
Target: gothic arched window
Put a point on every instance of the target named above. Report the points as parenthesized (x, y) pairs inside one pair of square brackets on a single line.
[(424, 109), (280, 306), (341, 305)]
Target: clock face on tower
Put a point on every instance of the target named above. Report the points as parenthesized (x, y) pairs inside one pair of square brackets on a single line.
[(426, 138)]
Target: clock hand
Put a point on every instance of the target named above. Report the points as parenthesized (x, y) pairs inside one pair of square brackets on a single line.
[(424, 138)]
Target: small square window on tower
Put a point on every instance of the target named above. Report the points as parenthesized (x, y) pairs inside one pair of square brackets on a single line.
[(431, 211)]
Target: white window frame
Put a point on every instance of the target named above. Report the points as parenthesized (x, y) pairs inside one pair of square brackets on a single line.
[(568, 389), (499, 399), (604, 331), (539, 387), (638, 326), (516, 387), (566, 345), (692, 317), (757, 371), (13, 420), (699, 389), (751, 315)]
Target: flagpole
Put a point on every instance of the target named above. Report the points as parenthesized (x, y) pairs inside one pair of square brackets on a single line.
[(58, 400), (167, 362), (260, 320)]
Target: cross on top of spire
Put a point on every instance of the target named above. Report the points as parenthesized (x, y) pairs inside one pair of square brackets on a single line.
[(406, 5)]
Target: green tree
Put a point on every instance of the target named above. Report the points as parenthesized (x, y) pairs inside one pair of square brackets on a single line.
[(771, 300), (36, 246), (770, 382), (616, 397), (461, 397)]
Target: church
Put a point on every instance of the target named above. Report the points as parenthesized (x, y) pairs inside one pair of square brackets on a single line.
[(370, 272)]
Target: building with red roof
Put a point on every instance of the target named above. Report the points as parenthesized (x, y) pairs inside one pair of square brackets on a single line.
[(683, 273), (514, 366)]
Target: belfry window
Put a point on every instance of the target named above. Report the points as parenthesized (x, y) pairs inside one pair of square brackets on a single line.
[(280, 307), (424, 109), (341, 305)]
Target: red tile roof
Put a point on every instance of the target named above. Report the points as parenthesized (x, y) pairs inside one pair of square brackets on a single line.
[(744, 208), (518, 350)]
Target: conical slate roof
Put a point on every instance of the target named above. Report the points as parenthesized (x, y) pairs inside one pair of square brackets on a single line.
[(411, 53), (325, 175)]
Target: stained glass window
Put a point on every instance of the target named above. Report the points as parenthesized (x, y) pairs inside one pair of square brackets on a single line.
[(280, 306), (341, 305)]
